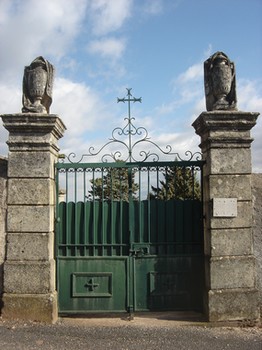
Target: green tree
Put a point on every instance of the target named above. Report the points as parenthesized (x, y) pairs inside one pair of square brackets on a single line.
[(179, 183), (113, 185)]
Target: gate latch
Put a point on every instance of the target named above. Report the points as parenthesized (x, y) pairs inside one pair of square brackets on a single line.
[(139, 250)]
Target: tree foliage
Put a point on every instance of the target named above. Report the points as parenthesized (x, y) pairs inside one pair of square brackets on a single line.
[(113, 185), (178, 183)]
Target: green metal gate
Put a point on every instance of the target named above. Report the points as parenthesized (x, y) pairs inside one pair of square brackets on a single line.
[(129, 233), (124, 243)]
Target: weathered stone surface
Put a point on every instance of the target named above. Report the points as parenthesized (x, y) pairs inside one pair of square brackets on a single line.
[(220, 82), (31, 191), (3, 208), (230, 264), (38, 86), (29, 277), (243, 219), (30, 218), (233, 304), (231, 242), (35, 307), (29, 269), (230, 161), (230, 186), (230, 125), (232, 272), (29, 246), (31, 164), (33, 125), (257, 228)]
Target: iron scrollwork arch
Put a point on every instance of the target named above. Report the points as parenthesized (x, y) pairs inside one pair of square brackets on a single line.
[(127, 154)]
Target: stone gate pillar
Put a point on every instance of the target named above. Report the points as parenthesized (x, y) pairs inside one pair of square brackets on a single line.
[(231, 292), (29, 269)]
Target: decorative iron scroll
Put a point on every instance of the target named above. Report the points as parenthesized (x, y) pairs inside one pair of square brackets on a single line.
[(129, 138)]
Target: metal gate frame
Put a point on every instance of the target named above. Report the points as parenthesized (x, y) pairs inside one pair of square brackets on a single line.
[(119, 273), (135, 248)]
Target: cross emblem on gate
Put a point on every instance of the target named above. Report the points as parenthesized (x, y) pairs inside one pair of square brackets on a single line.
[(168, 284), (91, 285)]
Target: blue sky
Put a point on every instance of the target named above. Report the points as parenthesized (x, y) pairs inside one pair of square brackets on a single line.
[(156, 47)]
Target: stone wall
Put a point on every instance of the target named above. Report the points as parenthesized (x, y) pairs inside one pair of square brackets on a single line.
[(29, 269), (3, 193), (257, 227), (230, 272)]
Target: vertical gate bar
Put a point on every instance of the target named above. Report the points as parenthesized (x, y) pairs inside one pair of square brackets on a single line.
[(157, 211), (184, 180), (131, 240), (58, 229), (148, 206), (140, 208), (192, 238), (183, 213), (85, 220), (93, 214), (76, 233), (112, 209), (67, 216), (175, 182), (120, 227), (129, 285), (134, 283), (131, 209), (193, 181), (166, 184), (165, 210), (103, 217)]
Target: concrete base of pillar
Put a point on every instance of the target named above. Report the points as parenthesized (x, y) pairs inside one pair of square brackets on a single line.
[(233, 305), (33, 307)]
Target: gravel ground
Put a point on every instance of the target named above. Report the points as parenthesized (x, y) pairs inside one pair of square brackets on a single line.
[(154, 333)]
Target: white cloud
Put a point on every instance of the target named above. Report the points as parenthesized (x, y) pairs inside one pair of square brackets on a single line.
[(193, 73), (249, 94), (107, 47), (10, 102), (187, 89), (109, 16), (79, 107), (29, 28), (10, 98)]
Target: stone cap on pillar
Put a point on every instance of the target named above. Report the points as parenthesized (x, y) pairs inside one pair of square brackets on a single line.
[(225, 128), (34, 122), (33, 130)]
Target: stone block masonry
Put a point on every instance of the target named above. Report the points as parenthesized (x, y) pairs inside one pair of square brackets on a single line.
[(3, 210), (29, 269), (230, 270), (257, 229)]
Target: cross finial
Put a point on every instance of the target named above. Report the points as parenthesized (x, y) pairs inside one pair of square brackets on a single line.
[(129, 98)]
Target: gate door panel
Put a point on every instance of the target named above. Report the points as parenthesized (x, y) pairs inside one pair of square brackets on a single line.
[(129, 236), (168, 283), (92, 284), (168, 259)]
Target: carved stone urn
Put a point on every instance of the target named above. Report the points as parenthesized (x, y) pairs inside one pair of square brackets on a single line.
[(221, 81), (37, 79), (37, 86)]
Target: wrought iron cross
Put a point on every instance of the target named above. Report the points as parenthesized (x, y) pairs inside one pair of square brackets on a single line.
[(129, 98)]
